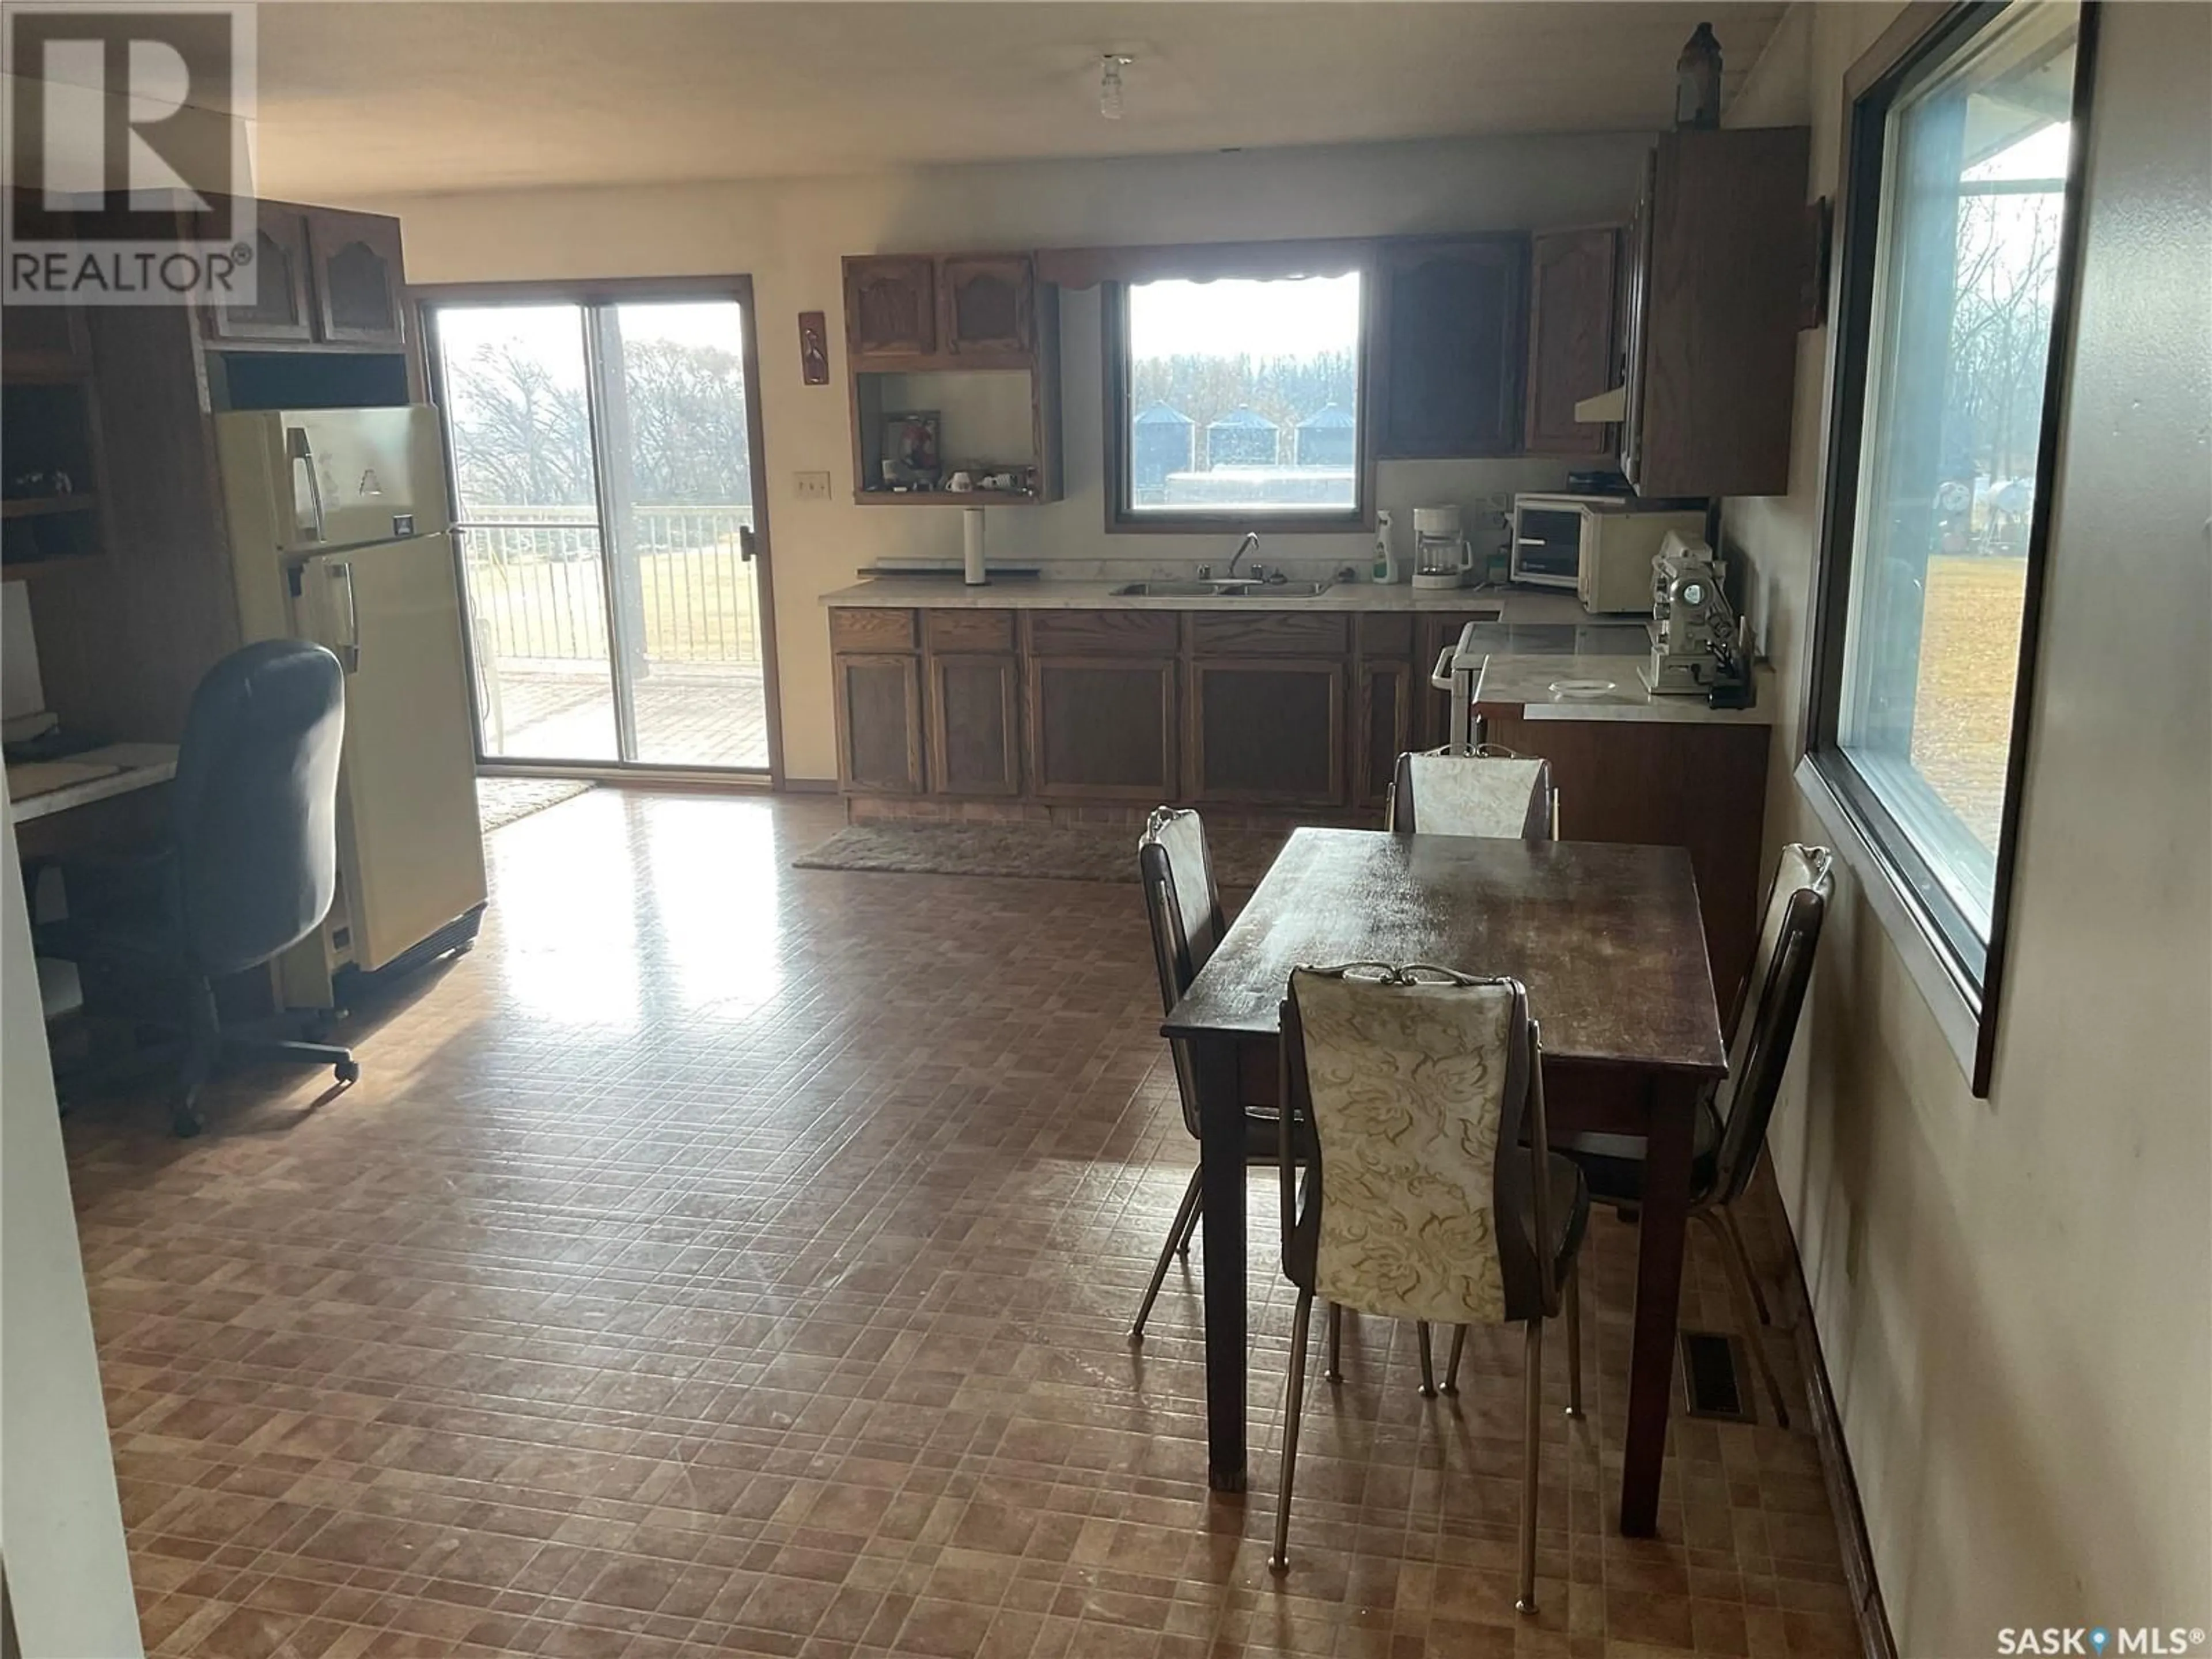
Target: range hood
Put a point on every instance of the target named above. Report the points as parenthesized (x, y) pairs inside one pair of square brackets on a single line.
[(1606, 406)]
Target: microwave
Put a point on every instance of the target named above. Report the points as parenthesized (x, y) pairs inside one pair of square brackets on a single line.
[(1601, 546)]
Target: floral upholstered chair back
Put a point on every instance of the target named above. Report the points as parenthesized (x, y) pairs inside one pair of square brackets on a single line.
[(1184, 907), (1419, 1201), (1471, 795)]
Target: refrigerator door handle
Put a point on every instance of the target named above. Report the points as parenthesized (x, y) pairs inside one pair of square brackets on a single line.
[(297, 447), (348, 654)]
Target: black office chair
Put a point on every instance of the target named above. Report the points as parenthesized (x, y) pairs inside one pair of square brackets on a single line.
[(250, 866)]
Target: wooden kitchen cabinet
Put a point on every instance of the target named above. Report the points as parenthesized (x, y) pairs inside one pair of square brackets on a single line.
[(989, 302), (1668, 784), (1453, 326), (1573, 276), (1718, 254), (359, 282), (975, 725), (1382, 728), (1103, 728), (283, 308), (890, 306), (879, 747), (1267, 730)]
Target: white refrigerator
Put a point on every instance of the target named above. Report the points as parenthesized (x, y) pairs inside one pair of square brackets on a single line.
[(340, 533)]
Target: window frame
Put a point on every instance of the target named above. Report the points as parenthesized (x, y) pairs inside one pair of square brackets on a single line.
[(1294, 260), (1922, 32)]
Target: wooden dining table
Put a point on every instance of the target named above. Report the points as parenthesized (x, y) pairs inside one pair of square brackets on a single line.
[(1609, 941)]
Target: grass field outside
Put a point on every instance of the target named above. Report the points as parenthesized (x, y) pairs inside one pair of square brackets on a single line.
[(1969, 663), (696, 604)]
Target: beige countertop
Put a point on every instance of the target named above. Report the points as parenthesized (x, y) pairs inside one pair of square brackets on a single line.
[(1527, 681), (1041, 593)]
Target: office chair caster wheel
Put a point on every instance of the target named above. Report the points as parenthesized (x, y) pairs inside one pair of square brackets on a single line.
[(184, 1122), (347, 1071)]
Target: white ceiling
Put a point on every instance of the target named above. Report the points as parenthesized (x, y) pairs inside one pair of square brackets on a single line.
[(366, 99)]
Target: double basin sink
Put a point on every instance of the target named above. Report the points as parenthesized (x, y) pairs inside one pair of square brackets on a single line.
[(1239, 589)]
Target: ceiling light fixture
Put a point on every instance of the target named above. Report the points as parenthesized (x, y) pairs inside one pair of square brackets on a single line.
[(1110, 85)]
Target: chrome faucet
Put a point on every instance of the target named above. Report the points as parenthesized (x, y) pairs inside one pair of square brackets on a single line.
[(1249, 544)]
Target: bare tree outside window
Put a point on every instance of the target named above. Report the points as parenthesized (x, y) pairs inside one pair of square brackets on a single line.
[(1973, 212)]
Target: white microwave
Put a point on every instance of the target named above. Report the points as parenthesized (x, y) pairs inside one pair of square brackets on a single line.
[(1601, 546)]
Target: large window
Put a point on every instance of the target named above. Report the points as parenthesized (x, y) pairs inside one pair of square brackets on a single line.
[(1959, 242), (1239, 401)]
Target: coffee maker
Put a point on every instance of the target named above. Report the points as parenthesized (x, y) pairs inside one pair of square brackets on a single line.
[(1442, 556)]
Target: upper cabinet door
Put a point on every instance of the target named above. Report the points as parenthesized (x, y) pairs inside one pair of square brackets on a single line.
[(1454, 346), (890, 306), (1571, 277), (988, 302), (1718, 262), (360, 284), (282, 308)]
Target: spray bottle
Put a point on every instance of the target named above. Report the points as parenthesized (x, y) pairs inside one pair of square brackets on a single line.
[(1386, 557)]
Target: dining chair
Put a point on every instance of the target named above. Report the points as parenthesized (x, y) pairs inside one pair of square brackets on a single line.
[(1442, 794), (1421, 1199), (1184, 906), (1730, 1132)]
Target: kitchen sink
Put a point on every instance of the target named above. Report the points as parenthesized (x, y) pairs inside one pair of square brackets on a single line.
[(1221, 590)]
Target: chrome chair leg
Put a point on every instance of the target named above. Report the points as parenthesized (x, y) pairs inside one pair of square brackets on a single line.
[(1574, 1312), (1451, 1366), (1191, 1219), (1335, 1372), (1739, 1277), (1280, 1560), (1428, 1365), (1735, 1235), (1178, 1242), (1532, 1384)]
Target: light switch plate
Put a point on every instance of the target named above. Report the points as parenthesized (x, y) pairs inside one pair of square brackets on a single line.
[(810, 486)]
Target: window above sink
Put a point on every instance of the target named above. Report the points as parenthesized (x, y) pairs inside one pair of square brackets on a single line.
[(1240, 400)]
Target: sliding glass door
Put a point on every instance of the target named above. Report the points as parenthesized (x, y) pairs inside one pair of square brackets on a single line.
[(602, 455)]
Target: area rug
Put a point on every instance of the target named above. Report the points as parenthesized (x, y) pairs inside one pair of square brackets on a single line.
[(1031, 851), (501, 801)]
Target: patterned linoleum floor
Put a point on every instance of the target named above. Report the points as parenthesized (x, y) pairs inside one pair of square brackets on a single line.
[(726, 1259)]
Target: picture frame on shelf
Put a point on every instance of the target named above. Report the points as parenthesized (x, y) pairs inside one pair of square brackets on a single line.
[(910, 456)]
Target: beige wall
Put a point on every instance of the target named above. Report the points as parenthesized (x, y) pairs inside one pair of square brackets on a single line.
[(789, 236), (2015, 1295)]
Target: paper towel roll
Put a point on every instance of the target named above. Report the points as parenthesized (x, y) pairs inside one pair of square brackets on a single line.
[(971, 546)]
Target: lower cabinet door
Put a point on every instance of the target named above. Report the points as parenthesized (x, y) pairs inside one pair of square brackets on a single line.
[(880, 724), (1267, 730), (974, 741), (1382, 729), (1103, 728)]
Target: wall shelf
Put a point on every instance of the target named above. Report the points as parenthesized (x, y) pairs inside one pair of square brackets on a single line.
[(37, 507), (15, 570), (944, 498)]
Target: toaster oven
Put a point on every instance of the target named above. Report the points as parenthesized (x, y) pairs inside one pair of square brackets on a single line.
[(1601, 546)]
